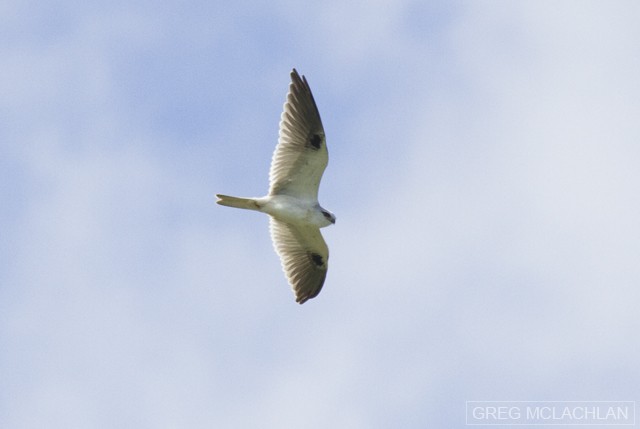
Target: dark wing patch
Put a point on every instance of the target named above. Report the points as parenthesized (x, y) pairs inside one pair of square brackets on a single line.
[(316, 141), (317, 259)]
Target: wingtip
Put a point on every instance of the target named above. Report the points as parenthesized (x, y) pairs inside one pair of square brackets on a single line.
[(299, 83), (301, 299), (295, 76)]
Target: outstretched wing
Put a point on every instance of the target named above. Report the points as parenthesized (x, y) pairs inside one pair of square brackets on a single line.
[(304, 256), (301, 154)]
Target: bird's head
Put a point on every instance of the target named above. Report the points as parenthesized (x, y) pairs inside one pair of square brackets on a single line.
[(329, 216)]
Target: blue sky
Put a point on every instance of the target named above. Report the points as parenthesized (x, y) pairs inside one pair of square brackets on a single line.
[(483, 169)]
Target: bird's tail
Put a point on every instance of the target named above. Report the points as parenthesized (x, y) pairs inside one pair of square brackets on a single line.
[(237, 202)]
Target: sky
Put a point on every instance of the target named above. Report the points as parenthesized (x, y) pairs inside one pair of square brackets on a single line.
[(483, 170)]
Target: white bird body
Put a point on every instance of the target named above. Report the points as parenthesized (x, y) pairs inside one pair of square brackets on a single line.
[(297, 166), (282, 207)]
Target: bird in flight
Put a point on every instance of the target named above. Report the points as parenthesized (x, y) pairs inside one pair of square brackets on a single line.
[(292, 202)]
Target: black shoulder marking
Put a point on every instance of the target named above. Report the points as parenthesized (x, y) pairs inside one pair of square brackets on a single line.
[(317, 259), (315, 141)]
